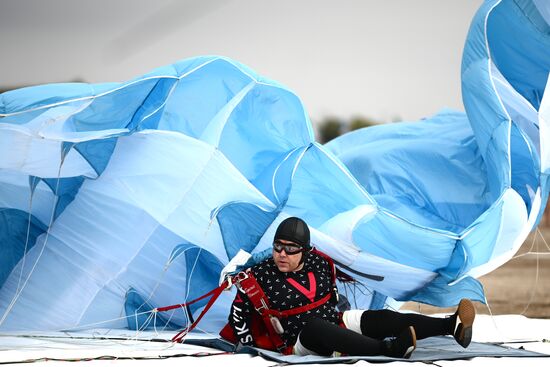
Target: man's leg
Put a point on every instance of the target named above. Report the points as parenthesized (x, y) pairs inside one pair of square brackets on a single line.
[(380, 324), (324, 338)]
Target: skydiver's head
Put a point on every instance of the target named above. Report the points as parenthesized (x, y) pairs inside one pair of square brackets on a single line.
[(290, 243)]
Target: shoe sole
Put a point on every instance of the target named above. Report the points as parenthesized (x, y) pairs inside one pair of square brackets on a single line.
[(411, 349), (466, 315)]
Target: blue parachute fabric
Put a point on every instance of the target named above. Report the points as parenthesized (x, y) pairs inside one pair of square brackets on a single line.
[(141, 315), (315, 174), (520, 49), (443, 293), (275, 181), (147, 116), (252, 149), (525, 167), (97, 152), (154, 184), (202, 270), (37, 97), (378, 301), (206, 85), (429, 172), (406, 240), (65, 189), (18, 237), (490, 161), (242, 226)]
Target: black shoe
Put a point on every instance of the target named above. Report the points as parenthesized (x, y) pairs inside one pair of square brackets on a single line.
[(465, 315), (401, 346)]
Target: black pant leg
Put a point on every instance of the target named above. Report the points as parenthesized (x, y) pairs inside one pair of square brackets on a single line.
[(380, 324), (324, 338)]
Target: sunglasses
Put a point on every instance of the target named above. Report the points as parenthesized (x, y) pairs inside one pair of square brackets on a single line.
[(290, 249)]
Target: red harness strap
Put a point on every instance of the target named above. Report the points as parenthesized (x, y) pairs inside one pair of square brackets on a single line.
[(330, 262), (248, 283), (215, 293), (299, 310)]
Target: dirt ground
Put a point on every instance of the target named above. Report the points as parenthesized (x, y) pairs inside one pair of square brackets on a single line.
[(517, 287)]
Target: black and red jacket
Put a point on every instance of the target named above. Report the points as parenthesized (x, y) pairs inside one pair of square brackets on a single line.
[(287, 291)]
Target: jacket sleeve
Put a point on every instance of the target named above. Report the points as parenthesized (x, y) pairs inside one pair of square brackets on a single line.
[(240, 318)]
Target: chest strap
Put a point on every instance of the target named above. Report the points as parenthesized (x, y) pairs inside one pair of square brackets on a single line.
[(249, 285), (255, 293), (299, 310)]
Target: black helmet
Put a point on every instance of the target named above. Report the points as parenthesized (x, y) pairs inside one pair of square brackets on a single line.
[(295, 230)]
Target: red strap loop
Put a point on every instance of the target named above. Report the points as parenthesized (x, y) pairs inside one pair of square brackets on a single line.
[(215, 293)]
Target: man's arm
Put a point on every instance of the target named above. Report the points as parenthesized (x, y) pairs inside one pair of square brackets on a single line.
[(240, 318)]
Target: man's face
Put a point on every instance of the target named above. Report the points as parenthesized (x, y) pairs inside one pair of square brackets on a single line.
[(287, 261)]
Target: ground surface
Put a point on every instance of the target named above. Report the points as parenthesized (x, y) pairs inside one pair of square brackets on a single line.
[(125, 348), (522, 286)]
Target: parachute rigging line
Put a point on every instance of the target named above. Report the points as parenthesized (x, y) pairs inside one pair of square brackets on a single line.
[(19, 291)]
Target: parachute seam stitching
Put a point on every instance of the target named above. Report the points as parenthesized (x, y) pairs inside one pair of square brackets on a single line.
[(298, 161), (85, 98), (159, 107), (430, 230), (489, 69), (277, 170)]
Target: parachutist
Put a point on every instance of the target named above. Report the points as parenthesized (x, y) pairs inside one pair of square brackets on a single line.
[(296, 287)]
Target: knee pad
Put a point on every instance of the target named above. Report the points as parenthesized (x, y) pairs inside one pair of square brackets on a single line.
[(352, 320), (300, 350)]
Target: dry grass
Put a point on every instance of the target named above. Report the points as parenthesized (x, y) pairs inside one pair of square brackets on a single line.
[(521, 286)]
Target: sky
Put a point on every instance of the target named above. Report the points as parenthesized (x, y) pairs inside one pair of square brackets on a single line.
[(384, 60)]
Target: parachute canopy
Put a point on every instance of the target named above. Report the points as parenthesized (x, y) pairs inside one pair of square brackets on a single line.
[(118, 198)]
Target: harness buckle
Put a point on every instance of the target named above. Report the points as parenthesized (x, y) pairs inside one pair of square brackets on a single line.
[(242, 275), (238, 278), (277, 326), (229, 281)]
